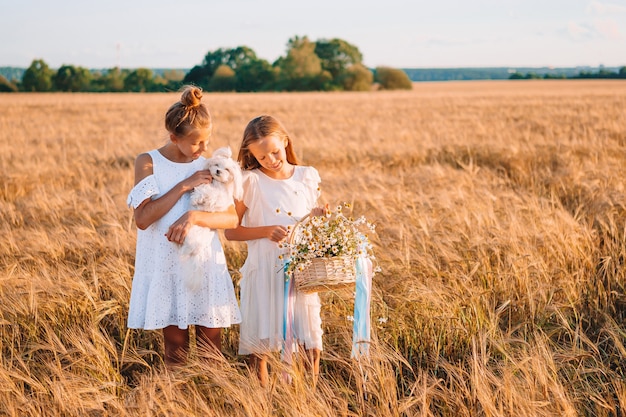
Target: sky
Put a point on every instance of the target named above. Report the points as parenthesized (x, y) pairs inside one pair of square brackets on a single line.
[(393, 33)]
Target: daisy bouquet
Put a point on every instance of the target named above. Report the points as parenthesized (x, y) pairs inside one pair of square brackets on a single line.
[(330, 243)]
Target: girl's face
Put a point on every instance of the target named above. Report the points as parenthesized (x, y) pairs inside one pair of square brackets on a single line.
[(270, 152), (194, 144)]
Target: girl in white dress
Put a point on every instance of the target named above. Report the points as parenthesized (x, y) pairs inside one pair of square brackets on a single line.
[(164, 178), (277, 191)]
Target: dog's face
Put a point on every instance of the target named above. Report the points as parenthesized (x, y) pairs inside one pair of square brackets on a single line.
[(221, 169), (226, 170)]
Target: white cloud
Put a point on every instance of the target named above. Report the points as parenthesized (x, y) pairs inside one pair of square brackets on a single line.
[(608, 28), (578, 31), (600, 8)]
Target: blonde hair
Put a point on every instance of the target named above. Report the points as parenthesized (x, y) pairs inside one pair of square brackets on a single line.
[(258, 128), (188, 114)]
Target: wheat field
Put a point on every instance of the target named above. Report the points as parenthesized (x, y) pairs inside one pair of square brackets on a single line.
[(501, 235)]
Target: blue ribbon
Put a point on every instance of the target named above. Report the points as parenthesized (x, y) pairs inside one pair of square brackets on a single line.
[(287, 315), (361, 326)]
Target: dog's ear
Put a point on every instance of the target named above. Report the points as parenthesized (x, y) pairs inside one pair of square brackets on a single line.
[(235, 171), (224, 152)]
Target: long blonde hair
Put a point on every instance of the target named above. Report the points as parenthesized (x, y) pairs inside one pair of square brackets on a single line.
[(258, 128)]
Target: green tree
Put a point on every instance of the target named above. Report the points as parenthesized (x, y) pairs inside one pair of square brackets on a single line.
[(392, 79), (174, 75), (235, 58), (301, 69), (37, 77), (336, 56), (554, 76), (110, 80), (224, 79), (256, 75), (114, 79), (72, 79), (357, 78), (173, 79), (198, 75), (139, 80), (160, 84), (7, 86)]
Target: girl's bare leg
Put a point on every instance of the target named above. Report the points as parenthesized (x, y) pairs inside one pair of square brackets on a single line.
[(176, 345), (209, 338), (259, 364), (313, 363)]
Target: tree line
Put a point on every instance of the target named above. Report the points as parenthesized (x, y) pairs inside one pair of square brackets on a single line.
[(322, 65), (602, 73)]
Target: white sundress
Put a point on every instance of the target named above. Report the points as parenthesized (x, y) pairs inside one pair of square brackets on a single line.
[(270, 201), (159, 296)]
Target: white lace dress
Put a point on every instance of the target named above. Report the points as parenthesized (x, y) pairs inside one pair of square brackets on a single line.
[(159, 296), (270, 201)]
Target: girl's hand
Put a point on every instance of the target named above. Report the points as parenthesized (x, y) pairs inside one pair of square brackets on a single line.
[(320, 211), (197, 178), (277, 233), (179, 229)]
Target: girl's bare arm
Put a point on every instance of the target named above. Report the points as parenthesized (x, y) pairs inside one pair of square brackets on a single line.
[(275, 233), (214, 220)]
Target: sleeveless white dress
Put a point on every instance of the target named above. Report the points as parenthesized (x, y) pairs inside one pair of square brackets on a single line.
[(270, 201), (159, 296)]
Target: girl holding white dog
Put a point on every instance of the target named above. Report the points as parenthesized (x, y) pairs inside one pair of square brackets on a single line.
[(276, 191), (164, 178)]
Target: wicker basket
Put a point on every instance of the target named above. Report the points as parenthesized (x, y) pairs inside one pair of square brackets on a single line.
[(324, 274)]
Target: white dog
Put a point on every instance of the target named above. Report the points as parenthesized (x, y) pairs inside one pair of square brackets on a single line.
[(215, 196)]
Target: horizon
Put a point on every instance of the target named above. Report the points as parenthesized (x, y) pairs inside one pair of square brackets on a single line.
[(403, 68)]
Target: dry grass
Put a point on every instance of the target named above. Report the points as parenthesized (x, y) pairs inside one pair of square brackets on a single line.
[(501, 234)]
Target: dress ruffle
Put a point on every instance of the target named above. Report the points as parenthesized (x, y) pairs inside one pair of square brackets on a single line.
[(250, 180), (146, 188)]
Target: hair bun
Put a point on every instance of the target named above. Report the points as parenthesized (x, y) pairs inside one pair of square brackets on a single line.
[(191, 96)]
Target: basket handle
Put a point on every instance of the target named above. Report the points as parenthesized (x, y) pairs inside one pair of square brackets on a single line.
[(296, 225)]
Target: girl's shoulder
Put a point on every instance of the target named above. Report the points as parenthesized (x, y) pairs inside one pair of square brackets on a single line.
[(310, 178), (307, 174), (247, 174), (146, 157), (250, 177)]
